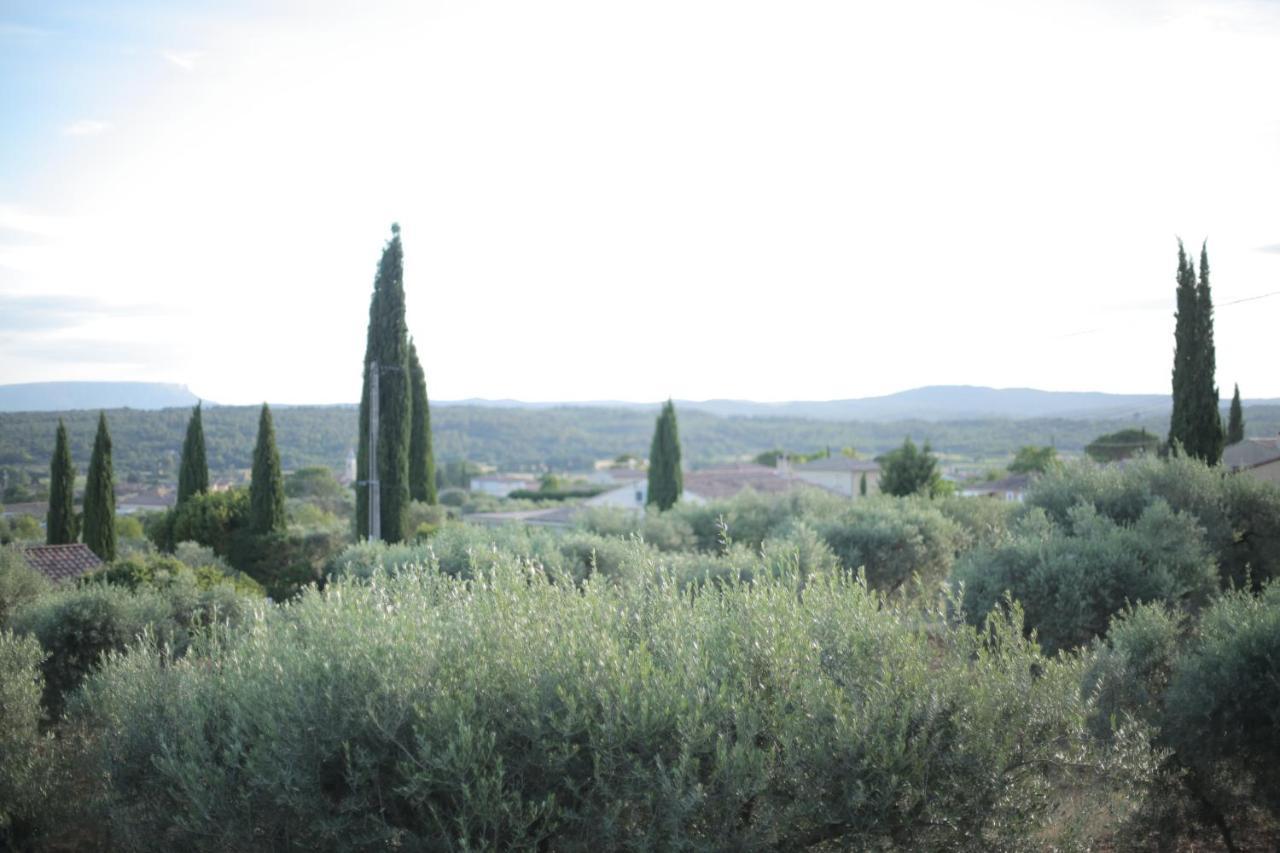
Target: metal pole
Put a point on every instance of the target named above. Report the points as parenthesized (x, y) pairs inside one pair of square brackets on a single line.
[(375, 490)]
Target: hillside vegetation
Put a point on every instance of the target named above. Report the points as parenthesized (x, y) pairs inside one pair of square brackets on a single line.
[(147, 443)]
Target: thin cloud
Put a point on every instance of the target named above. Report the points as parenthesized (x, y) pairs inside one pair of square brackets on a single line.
[(23, 221), (184, 59), (1273, 249), (12, 30), (47, 313), (86, 127)]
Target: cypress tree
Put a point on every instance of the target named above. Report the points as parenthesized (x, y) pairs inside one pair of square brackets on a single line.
[(1180, 426), (60, 524), (422, 463), (387, 344), (1235, 421), (100, 497), (1206, 415), (266, 486), (193, 473), (862, 485), (666, 480)]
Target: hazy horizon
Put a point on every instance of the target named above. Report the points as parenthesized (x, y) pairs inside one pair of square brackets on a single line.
[(709, 200)]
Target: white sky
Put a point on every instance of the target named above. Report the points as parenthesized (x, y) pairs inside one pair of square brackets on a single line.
[(609, 200)]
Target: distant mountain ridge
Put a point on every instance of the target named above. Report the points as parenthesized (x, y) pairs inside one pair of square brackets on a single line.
[(64, 396), (930, 403)]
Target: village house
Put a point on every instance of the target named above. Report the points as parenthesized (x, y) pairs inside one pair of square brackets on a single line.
[(501, 485), (1011, 488), (840, 474), (1256, 457)]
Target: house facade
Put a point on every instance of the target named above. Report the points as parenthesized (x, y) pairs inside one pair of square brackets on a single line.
[(840, 474), (1254, 457)]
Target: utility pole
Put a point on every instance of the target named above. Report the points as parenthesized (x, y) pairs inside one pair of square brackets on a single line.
[(375, 490)]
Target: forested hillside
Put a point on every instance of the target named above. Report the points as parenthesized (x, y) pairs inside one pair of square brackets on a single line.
[(147, 443)]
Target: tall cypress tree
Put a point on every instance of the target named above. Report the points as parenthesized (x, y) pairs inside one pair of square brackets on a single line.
[(1235, 421), (666, 480), (60, 524), (193, 472), (266, 486), (1180, 426), (100, 497), (387, 345), (422, 463), (1206, 415)]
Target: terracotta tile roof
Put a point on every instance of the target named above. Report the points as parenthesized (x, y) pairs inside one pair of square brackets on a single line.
[(61, 562)]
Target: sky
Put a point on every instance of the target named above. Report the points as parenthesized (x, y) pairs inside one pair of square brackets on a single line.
[(697, 199)]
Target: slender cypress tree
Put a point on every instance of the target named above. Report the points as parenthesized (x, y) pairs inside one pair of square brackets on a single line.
[(422, 463), (100, 497), (60, 524), (1180, 426), (388, 346), (1235, 421), (666, 480), (193, 472), (266, 486), (1206, 415), (862, 485)]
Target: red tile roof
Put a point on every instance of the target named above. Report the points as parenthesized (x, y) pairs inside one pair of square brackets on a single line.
[(61, 562)]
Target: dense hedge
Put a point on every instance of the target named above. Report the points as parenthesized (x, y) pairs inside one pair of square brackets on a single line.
[(508, 712)]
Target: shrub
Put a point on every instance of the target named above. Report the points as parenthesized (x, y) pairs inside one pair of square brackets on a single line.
[(76, 626), (894, 540), (202, 570), (19, 583), (1072, 578), (285, 563), (1221, 713), (1240, 515), (210, 518), (507, 712), (23, 768)]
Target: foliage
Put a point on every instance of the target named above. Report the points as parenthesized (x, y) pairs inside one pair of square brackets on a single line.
[(1123, 444), (146, 443), (387, 347), (192, 565), (565, 494), (100, 497), (19, 583), (77, 625), (1221, 710), (1031, 459), (422, 461), (193, 471), (893, 542), (981, 522), (666, 476), (1235, 421), (509, 712), (1071, 577), (1196, 424), (60, 526), (910, 471), (266, 488), (210, 518), (312, 482), (285, 562), (1240, 515), (24, 773)]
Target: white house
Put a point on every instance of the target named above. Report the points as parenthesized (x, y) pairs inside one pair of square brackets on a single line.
[(1011, 488), (840, 474)]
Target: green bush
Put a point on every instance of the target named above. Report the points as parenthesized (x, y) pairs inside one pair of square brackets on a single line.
[(1072, 577), (77, 626), (212, 519), (894, 540), (423, 711), (19, 583), (201, 568), (1240, 515), (1221, 713), (24, 776), (284, 563)]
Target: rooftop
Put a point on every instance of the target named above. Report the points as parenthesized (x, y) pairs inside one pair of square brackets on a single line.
[(1251, 453), (61, 562), (838, 463)]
